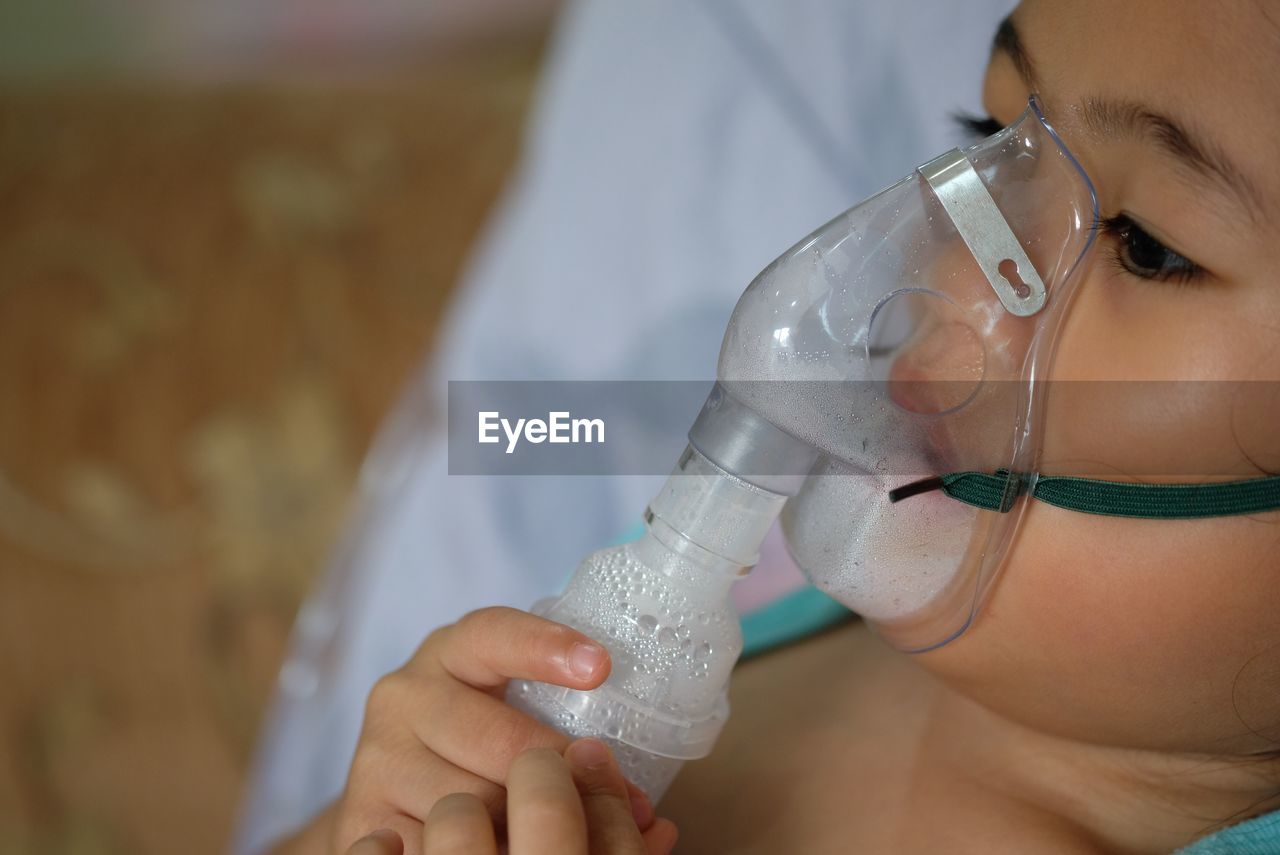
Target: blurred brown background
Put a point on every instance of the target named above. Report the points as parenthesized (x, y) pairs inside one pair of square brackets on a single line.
[(219, 259)]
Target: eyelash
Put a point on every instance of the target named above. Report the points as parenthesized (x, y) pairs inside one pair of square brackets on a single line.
[(976, 127), (1132, 240), (1129, 238)]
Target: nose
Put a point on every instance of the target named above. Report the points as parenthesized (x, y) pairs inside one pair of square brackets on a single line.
[(940, 362), (961, 335)]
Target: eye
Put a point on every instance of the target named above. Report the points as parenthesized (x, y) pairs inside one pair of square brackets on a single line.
[(976, 127), (1142, 255)]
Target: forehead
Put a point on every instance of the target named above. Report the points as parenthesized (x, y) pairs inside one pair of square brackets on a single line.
[(1213, 66), (1165, 44)]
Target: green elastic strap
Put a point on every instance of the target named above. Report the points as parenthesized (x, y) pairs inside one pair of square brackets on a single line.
[(1110, 498)]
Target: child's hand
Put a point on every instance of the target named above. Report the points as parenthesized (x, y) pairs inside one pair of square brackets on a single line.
[(439, 725), (554, 807)]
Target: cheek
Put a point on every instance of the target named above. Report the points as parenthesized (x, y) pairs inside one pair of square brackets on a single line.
[(1125, 632), (1142, 402)]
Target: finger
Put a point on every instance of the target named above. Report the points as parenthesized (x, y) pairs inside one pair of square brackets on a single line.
[(407, 828), (478, 732), (660, 838), (494, 735), (410, 778), (544, 810), (605, 801), (641, 808), (459, 824), (384, 841), (490, 646)]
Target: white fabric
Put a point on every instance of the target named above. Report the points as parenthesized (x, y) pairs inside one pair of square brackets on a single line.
[(677, 147)]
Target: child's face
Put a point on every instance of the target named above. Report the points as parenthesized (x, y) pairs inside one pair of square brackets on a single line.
[(1157, 634)]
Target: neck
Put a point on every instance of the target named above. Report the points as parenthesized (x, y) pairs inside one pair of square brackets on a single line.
[(1124, 800)]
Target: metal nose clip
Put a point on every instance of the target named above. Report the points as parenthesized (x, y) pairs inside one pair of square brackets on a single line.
[(986, 232)]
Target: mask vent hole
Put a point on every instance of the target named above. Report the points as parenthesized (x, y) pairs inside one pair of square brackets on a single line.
[(1009, 270)]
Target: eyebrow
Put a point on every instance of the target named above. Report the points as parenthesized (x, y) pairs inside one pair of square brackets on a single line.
[(1118, 119)]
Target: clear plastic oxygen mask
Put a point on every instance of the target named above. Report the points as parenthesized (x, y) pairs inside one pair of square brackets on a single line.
[(894, 345)]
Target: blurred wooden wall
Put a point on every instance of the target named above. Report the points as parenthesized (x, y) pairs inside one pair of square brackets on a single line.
[(208, 299)]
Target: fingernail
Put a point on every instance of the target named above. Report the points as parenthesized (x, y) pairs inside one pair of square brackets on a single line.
[(641, 811), (588, 754), (585, 659)]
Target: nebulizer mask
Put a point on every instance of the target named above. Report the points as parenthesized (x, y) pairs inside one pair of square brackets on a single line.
[(900, 342), (877, 388)]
